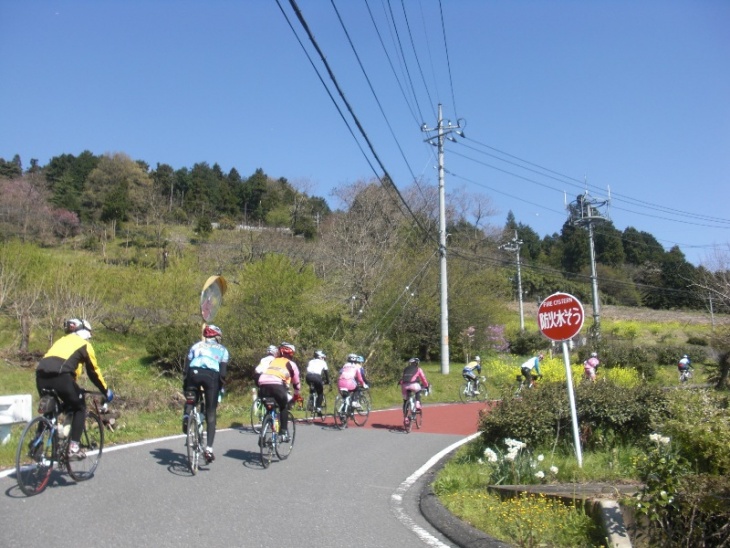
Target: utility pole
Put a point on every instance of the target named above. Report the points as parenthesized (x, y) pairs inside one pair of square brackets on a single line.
[(585, 214), (442, 131), (513, 246)]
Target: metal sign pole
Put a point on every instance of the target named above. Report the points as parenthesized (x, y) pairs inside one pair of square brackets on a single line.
[(573, 412)]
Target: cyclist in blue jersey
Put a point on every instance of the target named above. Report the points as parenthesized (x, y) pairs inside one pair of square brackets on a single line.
[(531, 368), (205, 367)]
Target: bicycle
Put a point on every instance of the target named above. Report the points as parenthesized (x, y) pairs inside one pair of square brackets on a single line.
[(194, 442), (344, 410), (270, 439), (413, 414), (258, 411), (522, 383), (46, 439), (475, 390), (311, 408), (685, 375)]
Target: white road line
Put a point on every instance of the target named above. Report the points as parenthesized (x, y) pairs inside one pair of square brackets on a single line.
[(396, 499)]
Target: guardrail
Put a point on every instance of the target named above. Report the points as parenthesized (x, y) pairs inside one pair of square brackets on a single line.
[(13, 410)]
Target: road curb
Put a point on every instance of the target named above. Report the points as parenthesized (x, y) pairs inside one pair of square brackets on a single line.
[(456, 530)]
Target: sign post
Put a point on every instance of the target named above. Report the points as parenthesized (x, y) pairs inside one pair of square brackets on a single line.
[(560, 317)]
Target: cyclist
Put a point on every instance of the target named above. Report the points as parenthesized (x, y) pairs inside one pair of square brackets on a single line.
[(351, 377), (59, 369), (275, 380), (471, 370), (365, 383), (413, 379), (590, 366), (271, 352), (685, 364), (205, 367), (527, 368), (318, 376)]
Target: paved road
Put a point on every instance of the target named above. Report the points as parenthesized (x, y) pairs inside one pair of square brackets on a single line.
[(337, 488)]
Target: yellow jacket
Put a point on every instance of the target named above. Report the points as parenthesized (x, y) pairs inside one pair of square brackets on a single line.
[(70, 354)]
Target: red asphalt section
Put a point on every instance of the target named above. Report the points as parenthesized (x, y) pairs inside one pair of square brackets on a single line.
[(441, 418), (457, 418)]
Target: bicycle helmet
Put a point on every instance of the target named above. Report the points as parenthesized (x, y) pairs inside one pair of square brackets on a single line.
[(360, 359), (212, 331), (287, 350), (594, 355), (477, 359), (273, 350), (685, 357), (72, 325), (352, 358), (414, 361), (319, 355)]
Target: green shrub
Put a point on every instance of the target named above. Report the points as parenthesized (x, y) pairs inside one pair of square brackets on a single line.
[(607, 414), (168, 346), (526, 343)]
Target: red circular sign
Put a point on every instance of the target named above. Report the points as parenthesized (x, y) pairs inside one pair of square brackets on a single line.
[(560, 316)]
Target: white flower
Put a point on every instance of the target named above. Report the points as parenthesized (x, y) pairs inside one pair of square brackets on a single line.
[(654, 437), (663, 493), (540, 458), (480, 461), (554, 469), (491, 455), (510, 456), (664, 440), (540, 474)]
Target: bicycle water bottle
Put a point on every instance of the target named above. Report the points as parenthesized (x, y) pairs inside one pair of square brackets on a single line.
[(200, 423), (276, 424), (64, 425)]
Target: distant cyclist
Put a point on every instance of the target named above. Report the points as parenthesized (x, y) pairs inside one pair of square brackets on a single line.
[(318, 376), (590, 367), (413, 379), (59, 369), (471, 370), (274, 382), (205, 367), (531, 368), (684, 365), (351, 376), (365, 383)]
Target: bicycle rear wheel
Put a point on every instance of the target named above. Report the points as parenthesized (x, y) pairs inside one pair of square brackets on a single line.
[(340, 413), (361, 414), (257, 415), (35, 455), (266, 443), (283, 448), (322, 415), (193, 442), (418, 418), (91, 446), (407, 420), (465, 393)]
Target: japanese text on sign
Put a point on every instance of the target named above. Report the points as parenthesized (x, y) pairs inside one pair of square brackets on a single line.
[(560, 318)]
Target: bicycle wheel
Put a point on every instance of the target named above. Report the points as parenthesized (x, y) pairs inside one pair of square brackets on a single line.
[(257, 415), (283, 448), (266, 443), (91, 446), (407, 420), (418, 418), (34, 457), (323, 414), (340, 413), (193, 442), (361, 414), (482, 389), (465, 393), (311, 408)]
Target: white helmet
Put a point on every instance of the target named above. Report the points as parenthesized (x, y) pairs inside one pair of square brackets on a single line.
[(273, 350), (319, 355), (478, 359), (594, 355), (352, 358)]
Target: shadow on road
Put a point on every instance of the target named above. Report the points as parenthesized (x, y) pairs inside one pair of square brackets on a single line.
[(177, 463)]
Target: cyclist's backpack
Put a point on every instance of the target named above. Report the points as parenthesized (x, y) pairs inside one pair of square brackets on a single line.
[(409, 372)]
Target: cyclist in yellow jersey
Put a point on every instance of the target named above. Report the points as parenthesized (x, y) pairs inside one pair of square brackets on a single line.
[(275, 380), (61, 367)]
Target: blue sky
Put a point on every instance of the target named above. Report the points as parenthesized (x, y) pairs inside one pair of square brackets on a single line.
[(555, 95)]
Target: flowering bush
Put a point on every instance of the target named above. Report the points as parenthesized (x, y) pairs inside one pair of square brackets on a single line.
[(515, 466)]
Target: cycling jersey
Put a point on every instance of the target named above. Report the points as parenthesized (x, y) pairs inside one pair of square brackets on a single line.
[(350, 377), (281, 371), (69, 355), (208, 354)]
